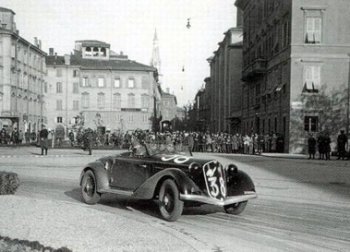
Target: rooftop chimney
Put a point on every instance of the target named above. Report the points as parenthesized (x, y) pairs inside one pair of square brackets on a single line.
[(67, 59), (39, 43), (36, 41), (51, 51)]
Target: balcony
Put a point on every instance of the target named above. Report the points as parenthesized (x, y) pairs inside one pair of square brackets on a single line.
[(254, 70)]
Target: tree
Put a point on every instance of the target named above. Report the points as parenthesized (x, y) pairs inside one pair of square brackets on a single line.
[(330, 109)]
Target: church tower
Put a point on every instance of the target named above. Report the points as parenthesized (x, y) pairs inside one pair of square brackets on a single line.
[(155, 61)]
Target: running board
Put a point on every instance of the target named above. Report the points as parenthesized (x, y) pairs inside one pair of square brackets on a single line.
[(117, 191)]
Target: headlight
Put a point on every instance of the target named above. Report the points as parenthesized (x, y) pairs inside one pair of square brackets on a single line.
[(231, 169)]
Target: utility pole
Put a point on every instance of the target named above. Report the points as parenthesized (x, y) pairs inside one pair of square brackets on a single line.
[(348, 103)]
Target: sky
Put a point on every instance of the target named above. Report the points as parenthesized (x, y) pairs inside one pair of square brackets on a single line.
[(129, 26)]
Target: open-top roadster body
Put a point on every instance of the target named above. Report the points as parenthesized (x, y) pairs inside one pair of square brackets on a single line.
[(170, 176)]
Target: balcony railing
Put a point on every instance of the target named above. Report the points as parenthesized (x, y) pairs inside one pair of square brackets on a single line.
[(256, 68)]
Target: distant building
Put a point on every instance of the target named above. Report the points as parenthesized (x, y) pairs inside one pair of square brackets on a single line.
[(22, 78), (293, 50), (168, 106), (105, 89), (224, 85)]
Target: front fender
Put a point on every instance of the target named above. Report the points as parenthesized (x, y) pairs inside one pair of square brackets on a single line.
[(100, 174), (148, 189), (239, 182)]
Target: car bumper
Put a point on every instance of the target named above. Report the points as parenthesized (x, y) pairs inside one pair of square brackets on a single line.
[(212, 201)]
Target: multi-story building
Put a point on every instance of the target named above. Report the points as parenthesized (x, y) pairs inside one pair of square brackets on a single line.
[(101, 87), (225, 83), (22, 78), (168, 106), (293, 51)]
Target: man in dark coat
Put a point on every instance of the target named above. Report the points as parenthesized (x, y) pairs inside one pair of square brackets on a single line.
[(43, 140), (342, 141), (311, 146), (88, 140)]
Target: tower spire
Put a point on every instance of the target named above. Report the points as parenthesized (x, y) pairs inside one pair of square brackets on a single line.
[(155, 61)]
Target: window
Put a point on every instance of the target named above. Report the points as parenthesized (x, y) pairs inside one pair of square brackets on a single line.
[(100, 82), (312, 78), (59, 72), (275, 124), (59, 119), (145, 118), (85, 99), (310, 123), (59, 87), (58, 104), (131, 83), (95, 51), (75, 88), (75, 73), (103, 52), (116, 101), (116, 83), (100, 100), (85, 82), (313, 30), (131, 100), (88, 51), (145, 82), (144, 101), (75, 105), (131, 117)]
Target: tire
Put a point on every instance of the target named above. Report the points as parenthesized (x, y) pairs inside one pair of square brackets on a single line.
[(89, 188), (170, 206), (236, 208)]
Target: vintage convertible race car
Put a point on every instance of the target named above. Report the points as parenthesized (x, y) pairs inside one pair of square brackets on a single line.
[(170, 176)]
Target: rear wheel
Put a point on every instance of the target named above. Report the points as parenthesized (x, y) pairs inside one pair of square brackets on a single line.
[(170, 206), (89, 188), (236, 208)]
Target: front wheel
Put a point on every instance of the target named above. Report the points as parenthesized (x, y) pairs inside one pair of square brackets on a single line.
[(236, 208), (89, 188), (170, 206)]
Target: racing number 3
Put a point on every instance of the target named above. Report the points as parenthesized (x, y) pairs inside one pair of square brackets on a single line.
[(214, 186)]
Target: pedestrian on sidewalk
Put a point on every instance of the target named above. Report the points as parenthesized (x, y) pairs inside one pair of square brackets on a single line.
[(43, 134), (342, 141), (311, 146)]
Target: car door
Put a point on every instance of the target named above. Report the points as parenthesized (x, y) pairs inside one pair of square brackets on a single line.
[(128, 173)]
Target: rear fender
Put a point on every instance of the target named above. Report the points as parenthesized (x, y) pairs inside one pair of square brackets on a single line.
[(149, 189), (238, 183), (100, 174)]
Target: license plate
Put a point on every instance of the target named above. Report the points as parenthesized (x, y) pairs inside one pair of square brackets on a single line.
[(215, 180)]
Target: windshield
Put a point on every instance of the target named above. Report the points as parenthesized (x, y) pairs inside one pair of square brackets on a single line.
[(154, 148)]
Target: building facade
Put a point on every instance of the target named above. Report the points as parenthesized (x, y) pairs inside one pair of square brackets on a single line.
[(225, 84), (100, 87), (22, 78), (295, 53), (168, 106)]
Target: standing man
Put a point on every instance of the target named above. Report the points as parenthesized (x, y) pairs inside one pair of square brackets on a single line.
[(44, 142), (342, 140), (87, 138), (311, 146)]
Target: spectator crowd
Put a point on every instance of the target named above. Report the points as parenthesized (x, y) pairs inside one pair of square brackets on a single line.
[(197, 141)]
